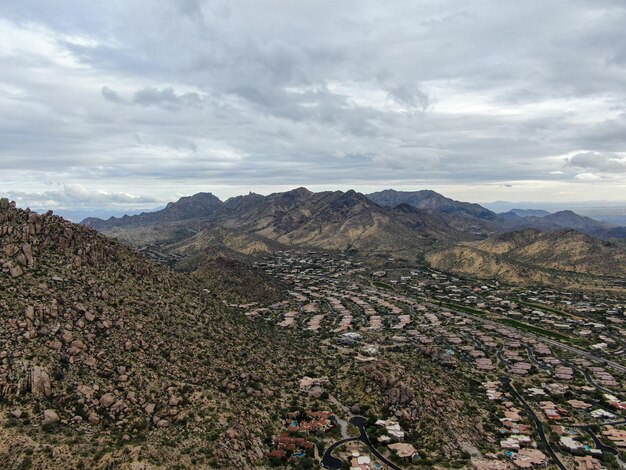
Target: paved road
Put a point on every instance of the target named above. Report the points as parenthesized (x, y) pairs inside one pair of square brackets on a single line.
[(534, 360), (599, 445), (503, 362), (538, 424), (592, 382), (360, 422), (343, 424), (328, 461)]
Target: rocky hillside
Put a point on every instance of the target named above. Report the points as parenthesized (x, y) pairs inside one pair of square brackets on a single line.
[(108, 358), (231, 278), (531, 256)]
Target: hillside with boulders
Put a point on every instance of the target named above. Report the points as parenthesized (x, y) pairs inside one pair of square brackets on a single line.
[(108, 357)]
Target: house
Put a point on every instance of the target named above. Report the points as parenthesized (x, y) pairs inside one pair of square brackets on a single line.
[(602, 414), (285, 442), (359, 462), (579, 405), (277, 454), (393, 428), (515, 442), (529, 458), (572, 445), (311, 421), (618, 436), (587, 463), (405, 451)]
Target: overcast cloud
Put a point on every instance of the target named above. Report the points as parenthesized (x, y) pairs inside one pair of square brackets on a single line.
[(136, 103)]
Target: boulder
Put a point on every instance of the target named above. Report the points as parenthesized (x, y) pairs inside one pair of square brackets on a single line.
[(50, 417), (107, 400), (15, 271), (93, 419), (118, 405), (28, 254), (29, 312), (40, 384)]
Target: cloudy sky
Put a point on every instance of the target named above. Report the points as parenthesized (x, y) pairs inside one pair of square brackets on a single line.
[(129, 104)]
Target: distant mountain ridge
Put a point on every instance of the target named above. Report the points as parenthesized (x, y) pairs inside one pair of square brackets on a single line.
[(534, 247), (430, 200), (528, 212), (387, 221), (329, 220), (555, 221), (188, 207)]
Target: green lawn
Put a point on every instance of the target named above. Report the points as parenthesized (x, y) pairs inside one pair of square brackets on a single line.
[(545, 309), (382, 285)]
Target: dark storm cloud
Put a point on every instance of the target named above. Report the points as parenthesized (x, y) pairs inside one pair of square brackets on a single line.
[(111, 95), (151, 96), (162, 93)]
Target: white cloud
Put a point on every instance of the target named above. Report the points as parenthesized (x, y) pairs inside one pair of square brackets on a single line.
[(243, 94), (77, 195), (587, 177)]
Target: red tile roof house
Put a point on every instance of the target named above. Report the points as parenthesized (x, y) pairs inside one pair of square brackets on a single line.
[(292, 443), (277, 454), (318, 421)]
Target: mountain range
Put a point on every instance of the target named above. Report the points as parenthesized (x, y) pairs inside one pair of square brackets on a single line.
[(410, 226), (327, 220)]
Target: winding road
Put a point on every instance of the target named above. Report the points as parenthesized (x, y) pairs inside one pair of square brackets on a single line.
[(603, 447), (328, 461), (590, 380), (534, 360), (538, 424)]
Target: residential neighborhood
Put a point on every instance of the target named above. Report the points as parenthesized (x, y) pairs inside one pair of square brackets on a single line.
[(552, 363)]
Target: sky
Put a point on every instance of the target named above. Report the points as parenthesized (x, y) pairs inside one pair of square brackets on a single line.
[(123, 105)]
